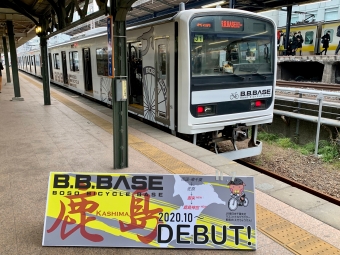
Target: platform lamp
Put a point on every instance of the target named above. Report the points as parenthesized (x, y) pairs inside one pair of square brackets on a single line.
[(38, 30)]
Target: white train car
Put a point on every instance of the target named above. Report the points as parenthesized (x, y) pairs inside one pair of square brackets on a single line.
[(30, 62), (207, 73)]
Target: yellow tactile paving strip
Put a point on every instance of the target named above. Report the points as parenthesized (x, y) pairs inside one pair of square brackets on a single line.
[(292, 237)]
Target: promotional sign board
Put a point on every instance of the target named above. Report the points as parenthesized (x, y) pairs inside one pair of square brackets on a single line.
[(150, 211), (110, 62)]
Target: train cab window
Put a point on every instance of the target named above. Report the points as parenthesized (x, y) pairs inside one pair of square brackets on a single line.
[(331, 34), (74, 61), (309, 37), (231, 46), (56, 58), (102, 61)]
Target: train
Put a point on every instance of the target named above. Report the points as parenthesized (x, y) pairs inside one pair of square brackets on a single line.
[(312, 33), (208, 74)]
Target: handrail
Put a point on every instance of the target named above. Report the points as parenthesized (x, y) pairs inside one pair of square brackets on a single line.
[(319, 101), (307, 101), (308, 91)]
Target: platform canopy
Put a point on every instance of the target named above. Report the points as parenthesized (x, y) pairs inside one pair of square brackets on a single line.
[(25, 14)]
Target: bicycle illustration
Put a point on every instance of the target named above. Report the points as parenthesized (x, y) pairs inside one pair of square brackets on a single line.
[(234, 96), (236, 201)]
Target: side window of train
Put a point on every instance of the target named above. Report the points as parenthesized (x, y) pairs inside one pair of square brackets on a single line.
[(102, 61), (331, 34), (309, 37), (74, 61), (162, 59), (56, 62)]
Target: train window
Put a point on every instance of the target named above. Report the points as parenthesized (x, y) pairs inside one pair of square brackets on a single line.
[(294, 19), (246, 47), (330, 34), (331, 14), (102, 61), (309, 37), (162, 59), (74, 61), (56, 63)]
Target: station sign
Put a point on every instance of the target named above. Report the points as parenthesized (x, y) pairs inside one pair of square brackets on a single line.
[(110, 47), (150, 211)]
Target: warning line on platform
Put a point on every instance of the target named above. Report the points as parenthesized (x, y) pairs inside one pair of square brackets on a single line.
[(292, 237)]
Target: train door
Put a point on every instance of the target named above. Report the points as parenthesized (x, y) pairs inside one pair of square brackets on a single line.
[(162, 81), (34, 64), (40, 63), (135, 74), (64, 64), (30, 60), (50, 64), (87, 70)]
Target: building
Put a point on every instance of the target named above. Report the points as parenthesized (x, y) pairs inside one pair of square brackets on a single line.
[(321, 11)]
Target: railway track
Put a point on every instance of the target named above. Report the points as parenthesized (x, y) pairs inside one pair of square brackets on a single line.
[(291, 182), (313, 85)]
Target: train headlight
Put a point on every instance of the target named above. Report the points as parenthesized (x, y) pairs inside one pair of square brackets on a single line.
[(206, 110), (257, 104)]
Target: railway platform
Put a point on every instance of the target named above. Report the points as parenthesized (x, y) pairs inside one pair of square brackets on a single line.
[(74, 134), (313, 68)]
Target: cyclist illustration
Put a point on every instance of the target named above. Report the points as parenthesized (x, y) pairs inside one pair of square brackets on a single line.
[(238, 197), (234, 96)]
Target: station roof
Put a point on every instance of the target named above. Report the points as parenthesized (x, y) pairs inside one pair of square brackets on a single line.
[(25, 13)]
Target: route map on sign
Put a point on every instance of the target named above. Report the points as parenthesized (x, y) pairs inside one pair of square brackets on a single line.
[(195, 199), (150, 211)]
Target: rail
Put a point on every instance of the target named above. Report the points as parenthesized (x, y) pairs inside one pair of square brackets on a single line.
[(319, 101)]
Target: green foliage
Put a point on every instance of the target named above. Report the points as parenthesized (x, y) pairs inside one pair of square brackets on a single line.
[(263, 136), (286, 143), (308, 148), (329, 151)]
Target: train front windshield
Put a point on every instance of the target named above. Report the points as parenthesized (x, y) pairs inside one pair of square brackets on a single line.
[(231, 46)]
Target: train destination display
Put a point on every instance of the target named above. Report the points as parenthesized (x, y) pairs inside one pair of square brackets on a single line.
[(150, 211)]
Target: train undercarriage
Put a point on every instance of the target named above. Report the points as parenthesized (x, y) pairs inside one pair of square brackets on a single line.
[(234, 134)]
